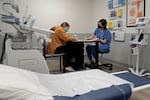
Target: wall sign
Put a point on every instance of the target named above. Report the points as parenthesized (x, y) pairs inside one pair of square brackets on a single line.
[(135, 8)]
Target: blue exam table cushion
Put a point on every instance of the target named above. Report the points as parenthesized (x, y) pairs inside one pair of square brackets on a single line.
[(115, 92), (135, 79)]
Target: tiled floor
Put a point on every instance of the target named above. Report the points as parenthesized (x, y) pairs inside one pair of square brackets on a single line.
[(54, 68)]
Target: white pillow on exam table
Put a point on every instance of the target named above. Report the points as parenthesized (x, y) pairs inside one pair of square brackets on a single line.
[(18, 84)]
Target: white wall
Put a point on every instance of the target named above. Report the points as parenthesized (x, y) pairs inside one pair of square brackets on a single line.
[(119, 50), (53, 12), (49, 13), (147, 8), (82, 15), (100, 11)]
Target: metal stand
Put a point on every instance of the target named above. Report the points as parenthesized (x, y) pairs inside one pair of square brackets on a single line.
[(137, 70), (139, 42)]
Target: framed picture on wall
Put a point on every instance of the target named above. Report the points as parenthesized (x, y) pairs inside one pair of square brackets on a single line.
[(135, 8), (121, 2), (110, 4), (113, 14)]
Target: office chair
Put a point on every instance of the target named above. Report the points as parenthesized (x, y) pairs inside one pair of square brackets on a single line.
[(46, 56), (103, 65)]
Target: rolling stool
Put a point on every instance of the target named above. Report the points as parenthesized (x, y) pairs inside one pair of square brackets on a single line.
[(103, 65)]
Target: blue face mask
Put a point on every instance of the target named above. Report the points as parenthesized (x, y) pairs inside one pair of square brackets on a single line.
[(66, 30)]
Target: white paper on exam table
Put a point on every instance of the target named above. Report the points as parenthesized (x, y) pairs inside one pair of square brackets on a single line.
[(71, 84), (88, 42)]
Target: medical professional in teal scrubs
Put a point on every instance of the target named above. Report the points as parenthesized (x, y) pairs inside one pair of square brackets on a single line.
[(101, 34)]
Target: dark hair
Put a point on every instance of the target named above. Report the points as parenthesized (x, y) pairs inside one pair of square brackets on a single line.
[(103, 22), (64, 24)]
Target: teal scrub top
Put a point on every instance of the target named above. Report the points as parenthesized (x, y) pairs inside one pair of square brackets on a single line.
[(103, 35)]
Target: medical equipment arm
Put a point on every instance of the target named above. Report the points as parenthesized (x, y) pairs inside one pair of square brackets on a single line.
[(9, 18), (12, 3), (22, 50)]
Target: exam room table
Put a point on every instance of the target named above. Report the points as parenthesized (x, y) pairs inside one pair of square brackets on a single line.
[(19, 84)]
